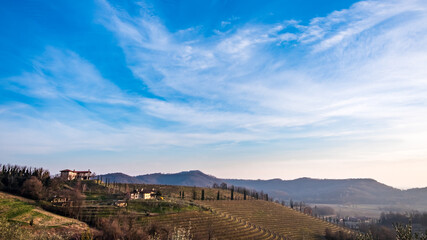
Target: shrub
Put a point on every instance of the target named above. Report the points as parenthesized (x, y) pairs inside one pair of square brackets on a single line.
[(86, 235), (33, 188)]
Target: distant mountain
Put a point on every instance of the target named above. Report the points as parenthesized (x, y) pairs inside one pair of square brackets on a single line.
[(188, 178), (361, 191), (337, 191), (120, 178)]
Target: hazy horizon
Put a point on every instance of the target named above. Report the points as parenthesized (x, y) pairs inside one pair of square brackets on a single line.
[(136, 173), (241, 89)]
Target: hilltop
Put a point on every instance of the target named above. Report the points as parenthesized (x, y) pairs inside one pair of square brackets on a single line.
[(332, 191), (186, 178)]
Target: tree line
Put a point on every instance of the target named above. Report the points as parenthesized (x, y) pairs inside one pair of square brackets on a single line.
[(258, 195), (27, 181), (387, 219)]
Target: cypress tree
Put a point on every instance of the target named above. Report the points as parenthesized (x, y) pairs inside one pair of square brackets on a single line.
[(203, 194), (194, 194), (217, 195), (244, 194), (232, 194)]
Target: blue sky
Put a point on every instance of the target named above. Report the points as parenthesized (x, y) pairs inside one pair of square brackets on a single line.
[(237, 89)]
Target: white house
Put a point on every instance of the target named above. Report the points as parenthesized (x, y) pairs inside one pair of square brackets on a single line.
[(143, 194), (68, 174)]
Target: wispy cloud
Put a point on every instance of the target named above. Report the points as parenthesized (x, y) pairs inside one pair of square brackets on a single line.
[(355, 76), (64, 75), (247, 78)]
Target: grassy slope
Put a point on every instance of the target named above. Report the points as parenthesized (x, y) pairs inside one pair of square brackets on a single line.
[(21, 211)]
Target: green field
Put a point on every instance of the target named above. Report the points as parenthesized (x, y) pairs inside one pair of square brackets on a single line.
[(23, 219)]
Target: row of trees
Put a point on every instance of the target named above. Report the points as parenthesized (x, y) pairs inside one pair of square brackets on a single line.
[(37, 184), (30, 182), (244, 191)]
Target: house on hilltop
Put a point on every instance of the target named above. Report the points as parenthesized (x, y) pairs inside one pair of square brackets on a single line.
[(68, 174), (143, 194)]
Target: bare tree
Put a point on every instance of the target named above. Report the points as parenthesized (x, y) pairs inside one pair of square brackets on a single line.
[(33, 188)]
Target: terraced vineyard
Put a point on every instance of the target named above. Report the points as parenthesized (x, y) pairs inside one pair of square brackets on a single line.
[(194, 221), (273, 217), (208, 219), (224, 219), (209, 225)]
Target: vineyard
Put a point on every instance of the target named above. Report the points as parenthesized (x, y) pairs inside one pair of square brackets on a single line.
[(34, 201), (200, 219), (207, 219), (190, 193), (208, 225), (273, 217), (172, 212)]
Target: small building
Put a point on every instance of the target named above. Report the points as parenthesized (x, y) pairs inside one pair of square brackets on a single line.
[(134, 194), (60, 201), (68, 174), (120, 203), (143, 194), (148, 194)]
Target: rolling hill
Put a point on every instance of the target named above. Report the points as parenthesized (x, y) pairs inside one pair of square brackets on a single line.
[(189, 178), (332, 191), (25, 220)]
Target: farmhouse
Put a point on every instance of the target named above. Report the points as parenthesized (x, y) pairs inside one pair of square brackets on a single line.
[(68, 174), (143, 194)]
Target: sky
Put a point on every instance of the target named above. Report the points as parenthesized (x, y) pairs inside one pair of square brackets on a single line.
[(237, 89)]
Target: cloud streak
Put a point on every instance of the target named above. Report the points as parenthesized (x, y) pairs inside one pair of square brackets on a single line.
[(354, 77)]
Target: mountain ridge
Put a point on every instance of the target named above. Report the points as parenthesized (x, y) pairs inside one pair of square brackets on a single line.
[(334, 191)]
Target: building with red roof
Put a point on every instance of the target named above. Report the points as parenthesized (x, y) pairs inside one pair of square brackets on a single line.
[(68, 174)]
